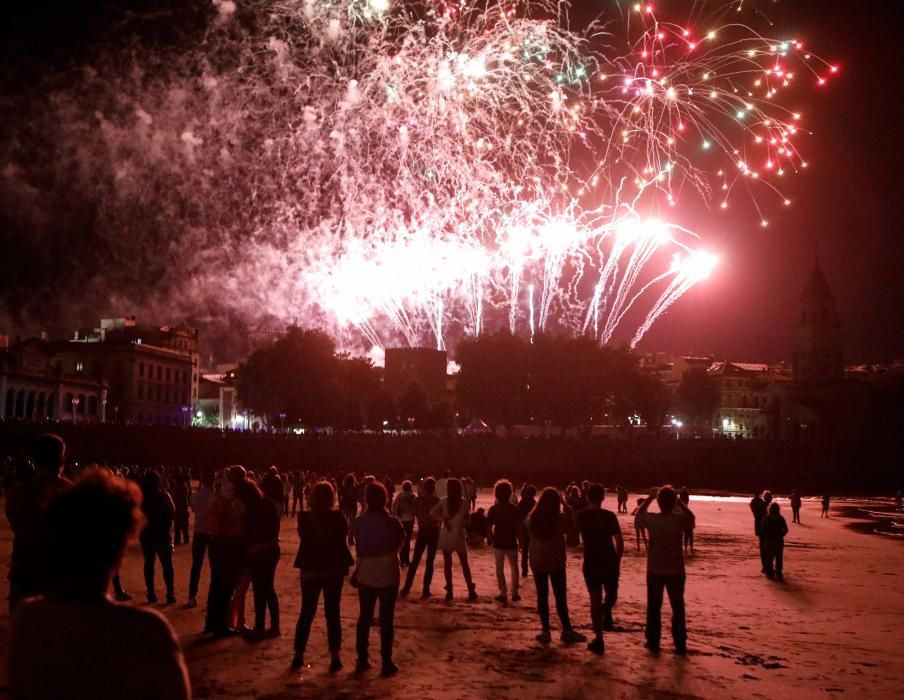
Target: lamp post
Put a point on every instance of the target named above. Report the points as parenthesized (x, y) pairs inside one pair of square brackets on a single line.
[(75, 402), (676, 424), (282, 422), (103, 410), (185, 410)]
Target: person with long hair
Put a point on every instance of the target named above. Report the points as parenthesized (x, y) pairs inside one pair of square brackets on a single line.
[(378, 536), (426, 540), (547, 562), (453, 512), (324, 560), (262, 527)]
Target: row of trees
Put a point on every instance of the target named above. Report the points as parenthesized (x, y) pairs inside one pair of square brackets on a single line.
[(566, 381)]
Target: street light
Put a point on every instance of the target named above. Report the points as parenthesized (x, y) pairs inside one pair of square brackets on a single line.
[(185, 410), (75, 403), (677, 425), (282, 422)]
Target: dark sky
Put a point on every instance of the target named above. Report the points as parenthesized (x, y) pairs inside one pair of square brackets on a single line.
[(847, 202)]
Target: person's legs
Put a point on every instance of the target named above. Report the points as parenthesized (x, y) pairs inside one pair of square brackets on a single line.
[(432, 536), (237, 609), (387, 598), (499, 555), (674, 585), (165, 552), (610, 585), (765, 567), (525, 554), (367, 600), (270, 583), (420, 544), (257, 568), (150, 555), (560, 592), (198, 549), (779, 559), (466, 569), (655, 584), (595, 592), (447, 572), (332, 598), (512, 556), (405, 553), (541, 583), (310, 594)]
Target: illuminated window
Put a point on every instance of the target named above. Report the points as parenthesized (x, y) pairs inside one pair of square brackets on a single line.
[(79, 367)]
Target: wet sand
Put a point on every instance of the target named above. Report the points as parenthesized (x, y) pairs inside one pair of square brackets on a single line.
[(835, 628)]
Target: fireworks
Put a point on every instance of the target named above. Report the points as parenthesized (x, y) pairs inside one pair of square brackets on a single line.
[(412, 169)]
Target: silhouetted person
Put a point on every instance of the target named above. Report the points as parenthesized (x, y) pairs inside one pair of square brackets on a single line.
[(324, 560), (227, 551), (665, 565), (603, 550), (525, 507), (348, 504), (477, 528), (181, 494), (453, 513), (32, 570), (622, 499), (427, 538), (689, 530), (640, 532), (773, 529), (403, 509), (759, 508), (547, 561), (76, 643), (272, 486), (505, 530), (262, 518), (441, 484), (826, 500), (795, 506), (378, 536), (156, 541), (200, 504)]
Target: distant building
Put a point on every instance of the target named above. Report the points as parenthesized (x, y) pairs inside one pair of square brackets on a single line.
[(742, 397), (423, 366), (151, 372), (35, 384), (819, 403)]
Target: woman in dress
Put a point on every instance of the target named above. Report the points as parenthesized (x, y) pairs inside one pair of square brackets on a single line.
[(452, 513)]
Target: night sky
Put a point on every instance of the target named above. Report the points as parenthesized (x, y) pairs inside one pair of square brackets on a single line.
[(60, 273)]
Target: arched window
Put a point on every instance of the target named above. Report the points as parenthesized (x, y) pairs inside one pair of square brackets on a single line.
[(51, 406), (10, 404), (92, 406), (20, 404), (82, 404), (30, 404), (41, 406)]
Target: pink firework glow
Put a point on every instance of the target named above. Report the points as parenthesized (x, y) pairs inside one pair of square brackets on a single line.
[(438, 168)]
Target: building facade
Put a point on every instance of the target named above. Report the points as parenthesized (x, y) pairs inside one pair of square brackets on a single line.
[(36, 385), (423, 366)]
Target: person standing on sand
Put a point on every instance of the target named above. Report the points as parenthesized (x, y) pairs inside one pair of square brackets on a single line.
[(427, 538), (774, 529), (379, 536), (441, 485), (603, 550), (77, 643), (525, 507), (665, 565), (505, 531), (826, 499), (348, 503), (225, 523), (403, 509), (453, 512), (31, 569), (324, 561), (156, 541), (547, 561), (639, 530), (759, 508), (795, 506), (200, 504)]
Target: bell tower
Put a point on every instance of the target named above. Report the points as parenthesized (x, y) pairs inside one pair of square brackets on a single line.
[(817, 334)]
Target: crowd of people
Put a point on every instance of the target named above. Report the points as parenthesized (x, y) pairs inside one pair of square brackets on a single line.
[(71, 528)]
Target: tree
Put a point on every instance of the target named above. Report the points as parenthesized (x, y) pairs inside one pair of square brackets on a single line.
[(697, 396), (492, 383)]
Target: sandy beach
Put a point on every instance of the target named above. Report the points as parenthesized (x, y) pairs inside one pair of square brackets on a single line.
[(835, 628)]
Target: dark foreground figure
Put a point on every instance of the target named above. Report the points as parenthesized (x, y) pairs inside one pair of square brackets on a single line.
[(75, 642)]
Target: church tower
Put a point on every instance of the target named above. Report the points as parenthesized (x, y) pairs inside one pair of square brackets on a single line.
[(817, 334)]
